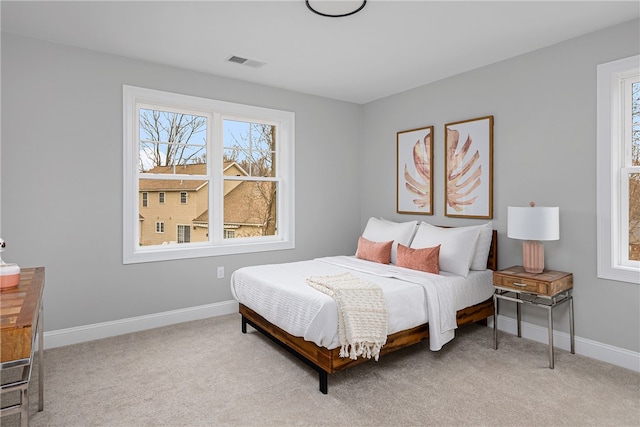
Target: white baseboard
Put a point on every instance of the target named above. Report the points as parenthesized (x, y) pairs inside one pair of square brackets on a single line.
[(593, 349), (585, 347), (96, 331)]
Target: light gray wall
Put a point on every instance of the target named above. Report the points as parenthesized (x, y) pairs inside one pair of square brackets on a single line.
[(544, 106), (62, 181), (62, 173)]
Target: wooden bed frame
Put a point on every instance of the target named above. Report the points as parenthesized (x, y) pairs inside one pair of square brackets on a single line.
[(326, 361)]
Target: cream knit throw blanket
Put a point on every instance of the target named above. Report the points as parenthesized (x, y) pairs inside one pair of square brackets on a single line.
[(362, 313)]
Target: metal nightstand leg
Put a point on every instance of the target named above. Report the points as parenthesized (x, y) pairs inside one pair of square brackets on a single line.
[(519, 317), (550, 309), (571, 330), (40, 359), (495, 321)]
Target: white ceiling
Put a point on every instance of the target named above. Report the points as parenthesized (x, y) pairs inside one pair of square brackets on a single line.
[(388, 47)]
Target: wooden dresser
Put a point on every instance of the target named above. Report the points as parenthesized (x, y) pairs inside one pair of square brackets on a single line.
[(21, 321)]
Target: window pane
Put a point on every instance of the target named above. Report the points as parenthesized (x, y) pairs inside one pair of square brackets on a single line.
[(635, 127), (251, 146), (171, 139), (634, 216), (176, 215), (250, 209)]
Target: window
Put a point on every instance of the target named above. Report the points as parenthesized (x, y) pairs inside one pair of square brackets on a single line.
[(159, 227), (184, 235), (223, 174), (618, 161), (145, 199)]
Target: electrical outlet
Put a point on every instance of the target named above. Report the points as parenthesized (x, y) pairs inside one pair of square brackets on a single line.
[(220, 272)]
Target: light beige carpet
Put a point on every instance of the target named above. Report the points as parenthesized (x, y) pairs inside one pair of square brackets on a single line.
[(207, 373)]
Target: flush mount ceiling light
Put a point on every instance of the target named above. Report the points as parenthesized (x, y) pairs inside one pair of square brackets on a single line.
[(335, 9)]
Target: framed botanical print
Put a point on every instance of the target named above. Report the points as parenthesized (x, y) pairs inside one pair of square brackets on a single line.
[(414, 176), (469, 168)]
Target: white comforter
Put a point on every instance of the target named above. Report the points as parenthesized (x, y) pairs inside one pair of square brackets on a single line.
[(280, 294)]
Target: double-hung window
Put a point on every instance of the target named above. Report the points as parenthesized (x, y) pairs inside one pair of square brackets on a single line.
[(618, 162), (223, 174)]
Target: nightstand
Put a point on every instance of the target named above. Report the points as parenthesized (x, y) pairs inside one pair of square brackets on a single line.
[(547, 289)]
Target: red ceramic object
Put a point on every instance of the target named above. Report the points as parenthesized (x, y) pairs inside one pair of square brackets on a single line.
[(9, 275)]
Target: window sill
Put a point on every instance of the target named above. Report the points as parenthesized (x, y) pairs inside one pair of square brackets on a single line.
[(185, 251)]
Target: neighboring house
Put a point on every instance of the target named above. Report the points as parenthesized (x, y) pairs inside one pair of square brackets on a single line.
[(177, 211)]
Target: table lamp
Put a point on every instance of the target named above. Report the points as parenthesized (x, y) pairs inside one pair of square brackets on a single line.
[(533, 224)]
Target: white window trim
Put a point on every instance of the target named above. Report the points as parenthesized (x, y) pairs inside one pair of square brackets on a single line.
[(285, 239), (609, 163)]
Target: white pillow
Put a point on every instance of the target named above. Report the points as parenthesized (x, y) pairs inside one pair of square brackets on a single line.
[(457, 245), (407, 224), (483, 246), (378, 230)]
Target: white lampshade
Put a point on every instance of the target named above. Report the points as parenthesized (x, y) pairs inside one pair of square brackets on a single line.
[(533, 223)]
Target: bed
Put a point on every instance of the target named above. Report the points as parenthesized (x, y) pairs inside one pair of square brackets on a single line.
[(276, 300)]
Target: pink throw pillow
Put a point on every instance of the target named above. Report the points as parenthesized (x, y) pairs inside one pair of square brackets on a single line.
[(374, 251), (424, 259)]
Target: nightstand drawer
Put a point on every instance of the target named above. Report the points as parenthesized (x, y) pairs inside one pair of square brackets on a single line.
[(520, 284), (548, 283)]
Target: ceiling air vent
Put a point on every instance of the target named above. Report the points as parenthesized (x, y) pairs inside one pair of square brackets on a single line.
[(245, 61), (237, 60)]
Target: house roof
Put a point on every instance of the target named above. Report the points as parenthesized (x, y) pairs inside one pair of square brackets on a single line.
[(186, 184), (171, 185), (179, 184)]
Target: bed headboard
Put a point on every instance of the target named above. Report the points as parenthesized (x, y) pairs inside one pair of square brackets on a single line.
[(492, 260)]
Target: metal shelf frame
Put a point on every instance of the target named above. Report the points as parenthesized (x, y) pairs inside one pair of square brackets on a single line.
[(537, 300)]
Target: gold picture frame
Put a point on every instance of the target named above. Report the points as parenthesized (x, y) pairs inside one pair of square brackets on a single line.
[(469, 168), (414, 171)]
